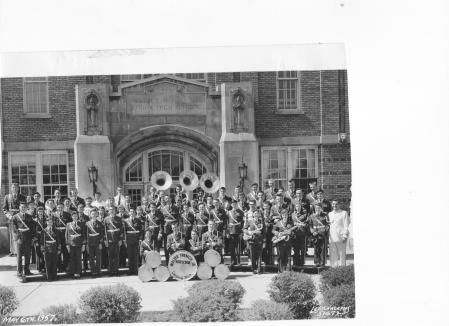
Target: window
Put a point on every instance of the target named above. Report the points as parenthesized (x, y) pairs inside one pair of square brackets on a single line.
[(284, 163), (199, 169), (134, 171), (288, 90), (135, 195), (35, 95), (169, 161), (198, 76), (129, 78), (40, 171)]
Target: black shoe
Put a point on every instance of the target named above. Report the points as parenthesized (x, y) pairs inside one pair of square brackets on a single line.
[(254, 272), (11, 254), (19, 274), (28, 273)]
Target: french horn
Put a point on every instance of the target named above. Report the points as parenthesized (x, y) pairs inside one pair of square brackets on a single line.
[(188, 180), (161, 180), (210, 183)]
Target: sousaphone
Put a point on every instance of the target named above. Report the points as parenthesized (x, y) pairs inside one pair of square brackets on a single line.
[(161, 180), (210, 183), (188, 180)]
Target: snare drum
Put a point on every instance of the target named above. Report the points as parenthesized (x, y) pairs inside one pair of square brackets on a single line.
[(161, 273), (212, 258), (221, 271), (182, 265), (204, 271), (145, 273), (152, 259)]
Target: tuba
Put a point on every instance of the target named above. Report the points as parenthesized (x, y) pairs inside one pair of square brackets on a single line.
[(210, 183), (161, 180), (188, 180)]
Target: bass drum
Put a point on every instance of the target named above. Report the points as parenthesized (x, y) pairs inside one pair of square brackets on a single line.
[(152, 259), (182, 265), (221, 271), (161, 273), (145, 273), (212, 258), (204, 271)]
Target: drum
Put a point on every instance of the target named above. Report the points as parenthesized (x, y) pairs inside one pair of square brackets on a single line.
[(182, 265), (221, 271), (152, 259), (204, 271), (212, 258), (145, 273), (161, 273)]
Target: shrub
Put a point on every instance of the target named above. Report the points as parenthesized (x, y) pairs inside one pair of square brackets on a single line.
[(341, 296), (295, 289), (8, 300), (336, 276), (64, 313), (214, 300), (110, 304), (268, 310)]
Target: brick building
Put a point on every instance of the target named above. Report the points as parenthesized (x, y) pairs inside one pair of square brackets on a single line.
[(283, 125)]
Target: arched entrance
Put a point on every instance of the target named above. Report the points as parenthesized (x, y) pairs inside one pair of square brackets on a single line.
[(170, 148)]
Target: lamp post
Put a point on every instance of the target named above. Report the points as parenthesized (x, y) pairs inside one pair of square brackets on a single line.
[(93, 176), (243, 173)]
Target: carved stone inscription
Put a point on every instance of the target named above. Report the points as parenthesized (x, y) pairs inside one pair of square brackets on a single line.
[(165, 99)]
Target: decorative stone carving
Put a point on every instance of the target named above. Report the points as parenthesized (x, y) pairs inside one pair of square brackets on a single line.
[(92, 102), (239, 123)]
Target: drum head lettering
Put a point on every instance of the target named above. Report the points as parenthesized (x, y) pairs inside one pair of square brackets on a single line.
[(182, 265)]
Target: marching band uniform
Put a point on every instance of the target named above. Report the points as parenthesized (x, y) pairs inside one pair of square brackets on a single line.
[(269, 194), (300, 219), (319, 228), (61, 219), (104, 248), (284, 246), (145, 246), (235, 230), (75, 239), (255, 227), (85, 254), (11, 207), (41, 224), (94, 239), (114, 235), (122, 250), (24, 230), (50, 245), (187, 222), (201, 220), (195, 247), (168, 209), (153, 225), (267, 253), (212, 239), (175, 242), (133, 235)]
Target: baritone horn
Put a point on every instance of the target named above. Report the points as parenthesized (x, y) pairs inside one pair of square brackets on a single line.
[(210, 183), (188, 180), (161, 180)]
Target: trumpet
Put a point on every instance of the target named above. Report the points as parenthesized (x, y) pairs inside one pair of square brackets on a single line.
[(161, 180)]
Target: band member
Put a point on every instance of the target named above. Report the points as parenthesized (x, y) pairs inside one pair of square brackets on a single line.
[(209, 206), (23, 231), (269, 191), (212, 239), (300, 220), (57, 198), (236, 194), (279, 204), (338, 234), (300, 199), (175, 240), (290, 192), (194, 206), (75, 199), (235, 225), (76, 244), (254, 233), (88, 206), (122, 250), (311, 196), (153, 225), (109, 203), (50, 207), (146, 246), (282, 233), (326, 205), (195, 246), (68, 208), (180, 196), (219, 215), (50, 247), (133, 236), (83, 218), (222, 195), (61, 220), (119, 198), (187, 221), (260, 200), (41, 223), (114, 234), (144, 205), (242, 202), (127, 203), (201, 219), (319, 227), (171, 215), (152, 194), (94, 241), (140, 214), (252, 195), (160, 198), (11, 207), (267, 253), (37, 200), (98, 202), (200, 196), (104, 249)]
